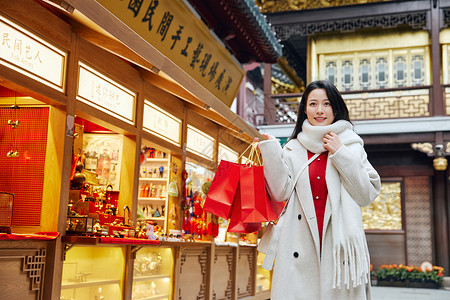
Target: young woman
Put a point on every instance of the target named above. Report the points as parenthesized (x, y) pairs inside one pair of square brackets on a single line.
[(319, 245)]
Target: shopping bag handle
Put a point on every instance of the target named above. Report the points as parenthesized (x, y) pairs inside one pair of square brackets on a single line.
[(253, 152)]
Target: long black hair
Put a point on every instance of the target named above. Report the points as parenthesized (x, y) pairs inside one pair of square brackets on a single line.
[(340, 110)]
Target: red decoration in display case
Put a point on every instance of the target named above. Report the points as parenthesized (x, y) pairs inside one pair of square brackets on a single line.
[(111, 198)]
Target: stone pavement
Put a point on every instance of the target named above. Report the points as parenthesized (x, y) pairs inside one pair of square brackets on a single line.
[(392, 293)]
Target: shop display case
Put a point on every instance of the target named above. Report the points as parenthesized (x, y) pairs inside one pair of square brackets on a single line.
[(154, 175), (93, 273), (201, 224), (153, 273)]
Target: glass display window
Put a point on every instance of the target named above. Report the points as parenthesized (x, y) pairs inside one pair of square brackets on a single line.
[(93, 273), (198, 223), (155, 185), (95, 184), (153, 273), (379, 69)]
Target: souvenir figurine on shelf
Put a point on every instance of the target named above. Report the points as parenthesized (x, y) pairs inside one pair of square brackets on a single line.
[(97, 227), (150, 232), (78, 178), (142, 234), (157, 214), (161, 172), (153, 289)]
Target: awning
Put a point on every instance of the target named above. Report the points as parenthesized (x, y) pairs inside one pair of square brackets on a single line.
[(117, 28)]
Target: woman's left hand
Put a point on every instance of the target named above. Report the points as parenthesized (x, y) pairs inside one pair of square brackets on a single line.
[(331, 142)]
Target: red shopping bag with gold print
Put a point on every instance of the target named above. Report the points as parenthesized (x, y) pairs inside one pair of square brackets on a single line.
[(255, 202), (223, 189), (235, 223)]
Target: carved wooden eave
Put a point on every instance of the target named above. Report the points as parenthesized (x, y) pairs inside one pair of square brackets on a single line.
[(272, 6), (415, 14)]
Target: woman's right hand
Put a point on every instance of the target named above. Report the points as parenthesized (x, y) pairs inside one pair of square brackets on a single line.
[(268, 136)]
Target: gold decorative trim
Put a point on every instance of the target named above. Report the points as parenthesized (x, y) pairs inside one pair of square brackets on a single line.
[(272, 6)]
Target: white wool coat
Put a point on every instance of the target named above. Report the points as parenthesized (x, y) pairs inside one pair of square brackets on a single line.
[(309, 276)]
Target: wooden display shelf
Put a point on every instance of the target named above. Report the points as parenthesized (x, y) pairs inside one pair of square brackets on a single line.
[(78, 239), (161, 296), (87, 240), (186, 244), (149, 277), (157, 159), (91, 283), (155, 219), (151, 199), (153, 179)]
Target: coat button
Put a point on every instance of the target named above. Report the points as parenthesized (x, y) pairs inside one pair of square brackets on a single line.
[(299, 216), (318, 177), (295, 254), (317, 197)]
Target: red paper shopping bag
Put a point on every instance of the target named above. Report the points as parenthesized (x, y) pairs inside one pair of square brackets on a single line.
[(236, 224), (256, 204), (223, 189)]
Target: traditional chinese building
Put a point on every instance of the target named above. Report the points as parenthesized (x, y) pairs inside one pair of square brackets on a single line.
[(390, 60)]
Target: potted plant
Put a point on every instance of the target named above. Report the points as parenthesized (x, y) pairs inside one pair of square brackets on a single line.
[(425, 276)]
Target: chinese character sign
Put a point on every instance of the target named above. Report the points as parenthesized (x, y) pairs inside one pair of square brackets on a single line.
[(199, 143), (103, 93), (161, 123), (29, 55), (227, 154), (172, 28)]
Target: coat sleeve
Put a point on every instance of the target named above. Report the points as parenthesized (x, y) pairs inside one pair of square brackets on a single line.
[(357, 175), (276, 171)]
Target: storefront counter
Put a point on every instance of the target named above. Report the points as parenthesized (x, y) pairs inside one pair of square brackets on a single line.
[(23, 259), (101, 267)]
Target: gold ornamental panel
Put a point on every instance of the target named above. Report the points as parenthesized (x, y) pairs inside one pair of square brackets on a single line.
[(415, 103), (271, 6), (385, 213)]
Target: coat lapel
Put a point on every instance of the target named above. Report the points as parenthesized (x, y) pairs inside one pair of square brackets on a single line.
[(307, 203), (334, 190), (304, 194)]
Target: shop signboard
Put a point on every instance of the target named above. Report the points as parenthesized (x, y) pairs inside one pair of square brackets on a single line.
[(227, 154), (30, 55), (199, 143), (174, 30), (162, 124), (105, 94)]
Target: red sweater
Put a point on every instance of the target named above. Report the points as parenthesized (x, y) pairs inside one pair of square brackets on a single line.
[(319, 187)]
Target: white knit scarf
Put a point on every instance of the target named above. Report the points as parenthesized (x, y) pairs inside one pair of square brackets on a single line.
[(349, 240)]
